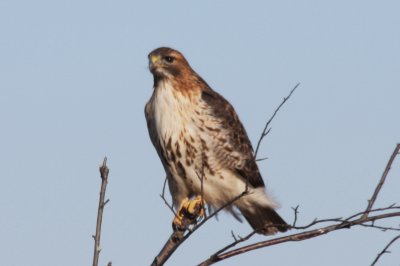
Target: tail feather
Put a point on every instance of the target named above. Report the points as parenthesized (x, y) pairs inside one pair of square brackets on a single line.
[(264, 219)]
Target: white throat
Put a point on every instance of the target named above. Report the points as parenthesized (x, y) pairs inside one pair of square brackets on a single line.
[(172, 111)]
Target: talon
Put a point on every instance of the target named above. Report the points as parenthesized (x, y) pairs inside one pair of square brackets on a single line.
[(177, 223), (188, 213), (195, 207)]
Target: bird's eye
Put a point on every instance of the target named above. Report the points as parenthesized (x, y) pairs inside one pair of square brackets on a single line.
[(169, 59)]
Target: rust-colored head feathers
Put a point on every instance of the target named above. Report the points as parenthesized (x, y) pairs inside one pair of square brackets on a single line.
[(166, 62)]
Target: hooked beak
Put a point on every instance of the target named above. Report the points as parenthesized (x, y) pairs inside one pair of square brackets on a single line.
[(154, 61)]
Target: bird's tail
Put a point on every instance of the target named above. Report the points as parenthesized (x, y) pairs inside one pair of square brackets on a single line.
[(264, 219)]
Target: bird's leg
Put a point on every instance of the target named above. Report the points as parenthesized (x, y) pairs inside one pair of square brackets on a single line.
[(188, 213)]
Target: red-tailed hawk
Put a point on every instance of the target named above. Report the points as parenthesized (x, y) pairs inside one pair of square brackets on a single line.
[(197, 133)]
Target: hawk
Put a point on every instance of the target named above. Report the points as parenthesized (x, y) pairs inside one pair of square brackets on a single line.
[(203, 146)]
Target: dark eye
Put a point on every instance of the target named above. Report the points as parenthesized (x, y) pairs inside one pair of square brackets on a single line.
[(169, 59)]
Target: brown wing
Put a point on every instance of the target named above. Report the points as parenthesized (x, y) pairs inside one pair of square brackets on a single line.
[(236, 144)]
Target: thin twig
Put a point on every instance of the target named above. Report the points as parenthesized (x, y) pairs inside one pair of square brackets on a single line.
[(382, 228), (350, 218), (104, 180), (170, 207), (233, 235), (266, 129), (296, 212), (385, 250), (237, 241), (390, 207), (382, 180), (164, 185), (162, 195), (261, 159), (201, 178)]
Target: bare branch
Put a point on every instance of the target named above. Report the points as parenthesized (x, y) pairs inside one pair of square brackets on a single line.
[(261, 159), (385, 250), (237, 241), (233, 235), (382, 180), (168, 204), (201, 179), (382, 228), (311, 224), (296, 212), (296, 237), (390, 207), (104, 180), (266, 129), (162, 195), (164, 186), (178, 237), (169, 248)]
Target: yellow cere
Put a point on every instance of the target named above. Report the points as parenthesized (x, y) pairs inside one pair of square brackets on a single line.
[(154, 58)]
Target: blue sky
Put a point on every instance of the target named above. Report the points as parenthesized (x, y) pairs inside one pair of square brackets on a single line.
[(74, 81)]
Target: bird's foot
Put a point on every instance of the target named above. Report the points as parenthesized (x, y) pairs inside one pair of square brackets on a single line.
[(188, 213)]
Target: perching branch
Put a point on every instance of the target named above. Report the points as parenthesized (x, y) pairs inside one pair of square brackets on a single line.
[(294, 237), (104, 180), (178, 237)]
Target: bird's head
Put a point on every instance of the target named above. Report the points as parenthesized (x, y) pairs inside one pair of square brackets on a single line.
[(166, 62)]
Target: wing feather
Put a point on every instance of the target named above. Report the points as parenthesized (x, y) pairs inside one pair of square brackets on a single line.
[(235, 146)]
